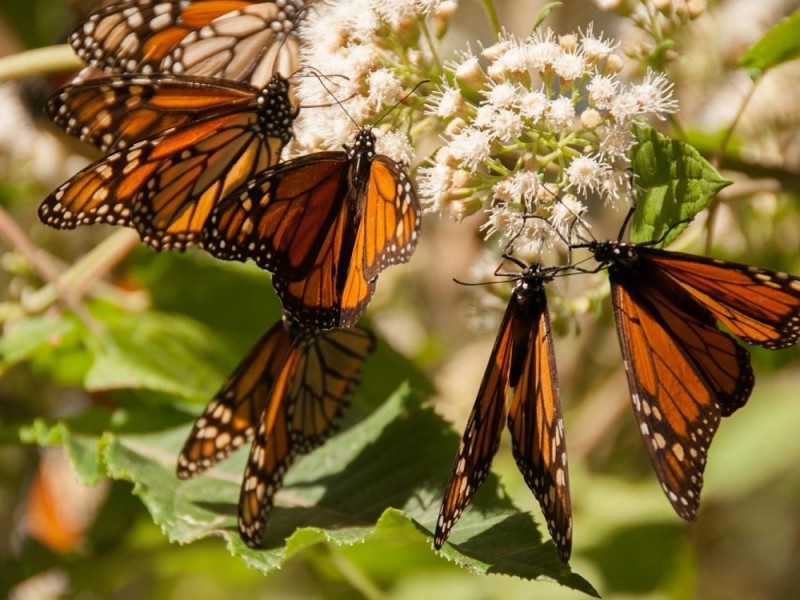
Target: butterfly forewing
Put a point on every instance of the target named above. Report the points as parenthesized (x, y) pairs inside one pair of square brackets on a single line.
[(675, 402), (535, 421), (758, 305), (239, 40), (114, 112), (231, 418), (325, 224), (482, 435), (166, 186), (270, 456), (392, 218)]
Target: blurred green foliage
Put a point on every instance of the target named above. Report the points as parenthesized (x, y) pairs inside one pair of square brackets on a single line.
[(118, 394)]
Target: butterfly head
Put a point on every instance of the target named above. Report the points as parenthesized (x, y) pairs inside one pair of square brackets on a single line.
[(363, 146), (611, 252)]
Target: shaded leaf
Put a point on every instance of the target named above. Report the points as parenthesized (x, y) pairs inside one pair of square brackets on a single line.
[(22, 339), (387, 471), (673, 182), (158, 352)]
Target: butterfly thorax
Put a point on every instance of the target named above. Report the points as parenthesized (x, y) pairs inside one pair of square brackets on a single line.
[(275, 111), (528, 303), (361, 155)]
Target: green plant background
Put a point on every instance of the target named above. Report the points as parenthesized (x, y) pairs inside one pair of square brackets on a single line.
[(120, 399)]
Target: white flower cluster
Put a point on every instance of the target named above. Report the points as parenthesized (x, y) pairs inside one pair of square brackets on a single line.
[(363, 57), (531, 126)]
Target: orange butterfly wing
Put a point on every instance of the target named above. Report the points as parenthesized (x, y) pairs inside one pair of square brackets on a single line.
[(683, 374), (758, 305), (321, 229), (308, 397), (111, 113), (535, 421), (481, 437), (166, 186), (238, 40), (391, 219), (230, 419)]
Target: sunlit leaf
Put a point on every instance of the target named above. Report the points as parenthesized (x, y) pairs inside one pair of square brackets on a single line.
[(673, 183), (779, 45)]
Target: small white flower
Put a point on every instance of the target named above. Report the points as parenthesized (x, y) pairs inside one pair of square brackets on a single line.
[(360, 60), (586, 173), (533, 105), (520, 188), (503, 95), (602, 91), (543, 51), (624, 107), (560, 112), (515, 61), (565, 217), (446, 102), (616, 188), (654, 95), (398, 12), (595, 47), (570, 66), (471, 147), (470, 72), (384, 88), (502, 220), (395, 145), (615, 142), (434, 183)]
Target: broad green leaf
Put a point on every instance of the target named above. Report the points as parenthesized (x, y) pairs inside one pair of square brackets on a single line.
[(385, 472), (234, 300), (158, 352), (779, 45), (22, 339), (674, 183)]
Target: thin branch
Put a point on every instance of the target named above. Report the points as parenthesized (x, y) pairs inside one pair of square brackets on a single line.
[(40, 61)]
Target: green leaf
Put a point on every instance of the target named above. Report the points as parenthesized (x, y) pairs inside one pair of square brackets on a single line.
[(385, 473), (779, 45), (674, 183), (543, 13), (22, 339), (158, 352)]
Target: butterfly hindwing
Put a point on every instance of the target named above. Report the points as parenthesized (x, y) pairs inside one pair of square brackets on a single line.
[(535, 420), (231, 418), (308, 397)]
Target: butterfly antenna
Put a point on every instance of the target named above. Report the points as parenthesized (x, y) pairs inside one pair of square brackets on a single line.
[(403, 99), (327, 89)]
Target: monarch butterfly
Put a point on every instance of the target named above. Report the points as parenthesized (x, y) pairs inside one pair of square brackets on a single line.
[(522, 359), (287, 395), (326, 224), (180, 144), (684, 373), (237, 40)]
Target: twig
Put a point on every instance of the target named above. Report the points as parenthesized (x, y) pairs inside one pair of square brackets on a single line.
[(53, 59)]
